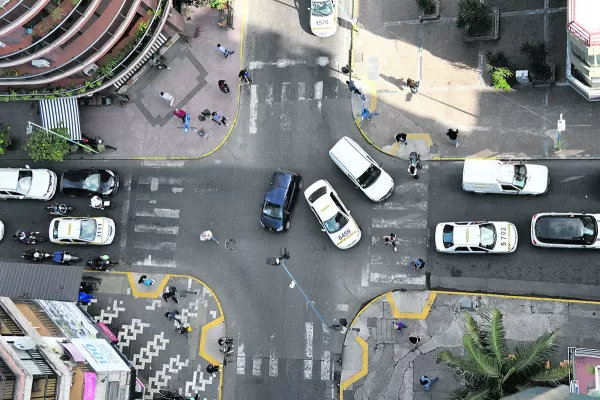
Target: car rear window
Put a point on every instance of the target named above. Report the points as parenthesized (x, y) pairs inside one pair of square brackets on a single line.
[(317, 193), (24, 183), (448, 236), (369, 176)]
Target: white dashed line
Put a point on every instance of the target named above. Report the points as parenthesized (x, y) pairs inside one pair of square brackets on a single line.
[(308, 350)]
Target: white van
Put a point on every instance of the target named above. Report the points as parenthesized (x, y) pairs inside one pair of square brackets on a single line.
[(493, 176), (365, 172)]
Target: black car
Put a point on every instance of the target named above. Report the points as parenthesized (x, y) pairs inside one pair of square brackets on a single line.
[(280, 199), (89, 182)]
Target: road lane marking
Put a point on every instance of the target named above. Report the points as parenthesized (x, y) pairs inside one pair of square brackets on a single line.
[(125, 213), (326, 359), (411, 187), (269, 98), (400, 206), (397, 278), (273, 360), (341, 307), (149, 262), (308, 350), (319, 94), (301, 91), (241, 360), (285, 91), (153, 180), (410, 221), (256, 364), (401, 241), (158, 212), (154, 246), (162, 163), (253, 110), (161, 230)]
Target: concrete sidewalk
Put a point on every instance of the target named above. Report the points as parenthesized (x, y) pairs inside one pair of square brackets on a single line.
[(379, 362), (392, 45), (146, 127), (164, 358)]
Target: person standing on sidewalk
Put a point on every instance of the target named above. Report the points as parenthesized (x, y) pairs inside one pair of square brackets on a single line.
[(157, 61), (168, 98), (184, 330), (223, 86), (425, 381), (211, 369), (173, 315), (146, 281), (401, 138), (400, 325), (180, 113), (414, 339), (412, 85), (453, 135), (224, 51)]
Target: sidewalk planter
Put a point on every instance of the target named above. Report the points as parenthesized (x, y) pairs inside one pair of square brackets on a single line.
[(544, 82), (541, 72), (430, 9), (494, 32)]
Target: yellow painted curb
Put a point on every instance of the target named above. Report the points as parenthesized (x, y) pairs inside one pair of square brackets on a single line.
[(206, 328), (408, 315), (508, 296), (146, 295), (436, 158), (364, 367), (420, 136)]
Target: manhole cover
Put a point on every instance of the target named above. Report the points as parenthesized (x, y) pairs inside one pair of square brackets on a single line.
[(230, 244)]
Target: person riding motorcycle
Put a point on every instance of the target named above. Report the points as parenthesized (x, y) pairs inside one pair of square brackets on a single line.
[(97, 203), (414, 164), (58, 256)]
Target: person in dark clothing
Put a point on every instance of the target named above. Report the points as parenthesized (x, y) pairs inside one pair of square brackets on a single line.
[(412, 85), (453, 135), (401, 138), (414, 339), (211, 369), (223, 86)]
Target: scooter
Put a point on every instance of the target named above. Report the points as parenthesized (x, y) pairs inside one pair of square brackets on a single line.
[(99, 204), (36, 255), (61, 210), (95, 143), (414, 164), (101, 263), (63, 257), (28, 237)]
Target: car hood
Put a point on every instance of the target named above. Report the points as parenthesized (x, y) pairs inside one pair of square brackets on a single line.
[(506, 237), (106, 227), (381, 188), (537, 179), (439, 236), (41, 183), (271, 223), (348, 236)]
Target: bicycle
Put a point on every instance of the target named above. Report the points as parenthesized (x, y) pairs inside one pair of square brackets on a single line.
[(245, 79), (167, 394)]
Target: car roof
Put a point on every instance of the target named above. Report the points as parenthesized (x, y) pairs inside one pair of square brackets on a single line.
[(69, 228), (559, 226), (324, 204), (9, 178), (278, 186), (466, 235)]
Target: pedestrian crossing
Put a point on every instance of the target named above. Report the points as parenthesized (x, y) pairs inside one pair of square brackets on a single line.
[(405, 215), (155, 211)]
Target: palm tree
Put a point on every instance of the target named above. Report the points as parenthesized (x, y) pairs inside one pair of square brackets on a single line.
[(490, 371)]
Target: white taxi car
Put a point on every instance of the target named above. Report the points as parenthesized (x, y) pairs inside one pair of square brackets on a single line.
[(323, 17), (332, 214), (476, 237), (82, 230)]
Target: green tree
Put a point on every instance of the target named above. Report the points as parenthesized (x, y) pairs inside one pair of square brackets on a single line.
[(5, 140), (44, 146), (490, 371)]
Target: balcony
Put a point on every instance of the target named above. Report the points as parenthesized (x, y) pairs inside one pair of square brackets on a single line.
[(18, 13), (131, 55)]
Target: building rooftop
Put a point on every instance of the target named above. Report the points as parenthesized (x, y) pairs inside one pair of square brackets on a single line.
[(584, 21), (40, 281)]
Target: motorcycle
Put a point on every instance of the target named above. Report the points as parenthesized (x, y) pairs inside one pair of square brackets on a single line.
[(63, 257), (36, 255), (95, 143), (60, 210), (414, 164), (101, 263), (28, 237), (99, 204)]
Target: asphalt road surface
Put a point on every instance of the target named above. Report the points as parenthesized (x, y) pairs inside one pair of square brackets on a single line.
[(530, 269)]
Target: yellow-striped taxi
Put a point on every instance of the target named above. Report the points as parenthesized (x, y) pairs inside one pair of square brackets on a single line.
[(476, 237)]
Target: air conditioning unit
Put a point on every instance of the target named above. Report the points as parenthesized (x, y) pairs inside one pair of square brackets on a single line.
[(89, 70)]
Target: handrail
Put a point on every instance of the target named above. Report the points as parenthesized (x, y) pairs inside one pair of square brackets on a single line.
[(43, 73), (48, 34), (9, 11), (166, 5)]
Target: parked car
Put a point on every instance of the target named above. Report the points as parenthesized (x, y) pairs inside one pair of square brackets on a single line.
[(476, 237), (280, 199), (89, 182), (323, 17), (82, 230), (334, 217), (565, 230), (494, 176), (26, 183)]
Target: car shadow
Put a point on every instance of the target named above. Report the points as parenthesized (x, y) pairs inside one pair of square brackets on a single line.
[(303, 8)]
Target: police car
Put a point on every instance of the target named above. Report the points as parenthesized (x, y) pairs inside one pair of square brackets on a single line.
[(332, 214), (323, 17), (82, 230), (476, 237)]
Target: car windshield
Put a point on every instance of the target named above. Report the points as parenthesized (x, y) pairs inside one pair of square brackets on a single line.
[(88, 230), (335, 223), (92, 182), (520, 178), (448, 236), (321, 8), (272, 210), (369, 177), (487, 236), (581, 230), (24, 183)]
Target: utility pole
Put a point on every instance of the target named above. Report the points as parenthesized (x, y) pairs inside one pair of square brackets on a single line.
[(561, 125), (284, 255)]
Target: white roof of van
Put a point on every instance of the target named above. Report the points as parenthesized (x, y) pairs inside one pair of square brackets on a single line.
[(345, 151), (480, 171), (8, 178)]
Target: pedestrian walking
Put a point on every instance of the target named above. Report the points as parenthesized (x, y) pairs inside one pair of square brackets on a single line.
[(400, 325), (414, 339), (390, 240), (85, 297), (219, 118), (223, 86), (224, 51), (413, 85), (184, 330), (224, 340), (157, 61), (401, 138), (355, 90), (453, 135), (172, 315), (146, 281), (180, 113), (168, 98), (367, 114), (425, 381), (170, 295), (418, 263), (211, 369)]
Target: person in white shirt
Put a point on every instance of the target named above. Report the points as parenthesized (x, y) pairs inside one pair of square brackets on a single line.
[(168, 98)]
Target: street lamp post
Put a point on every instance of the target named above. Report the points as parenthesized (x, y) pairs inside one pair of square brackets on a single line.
[(29, 130), (279, 261)]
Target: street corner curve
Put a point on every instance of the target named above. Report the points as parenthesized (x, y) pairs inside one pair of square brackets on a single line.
[(422, 315), (357, 122)]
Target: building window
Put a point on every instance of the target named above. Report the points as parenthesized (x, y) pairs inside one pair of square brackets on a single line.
[(577, 52)]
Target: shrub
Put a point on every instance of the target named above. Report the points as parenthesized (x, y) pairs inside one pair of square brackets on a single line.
[(537, 58), (5, 140), (427, 6), (44, 146), (474, 17), (500, 77)]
